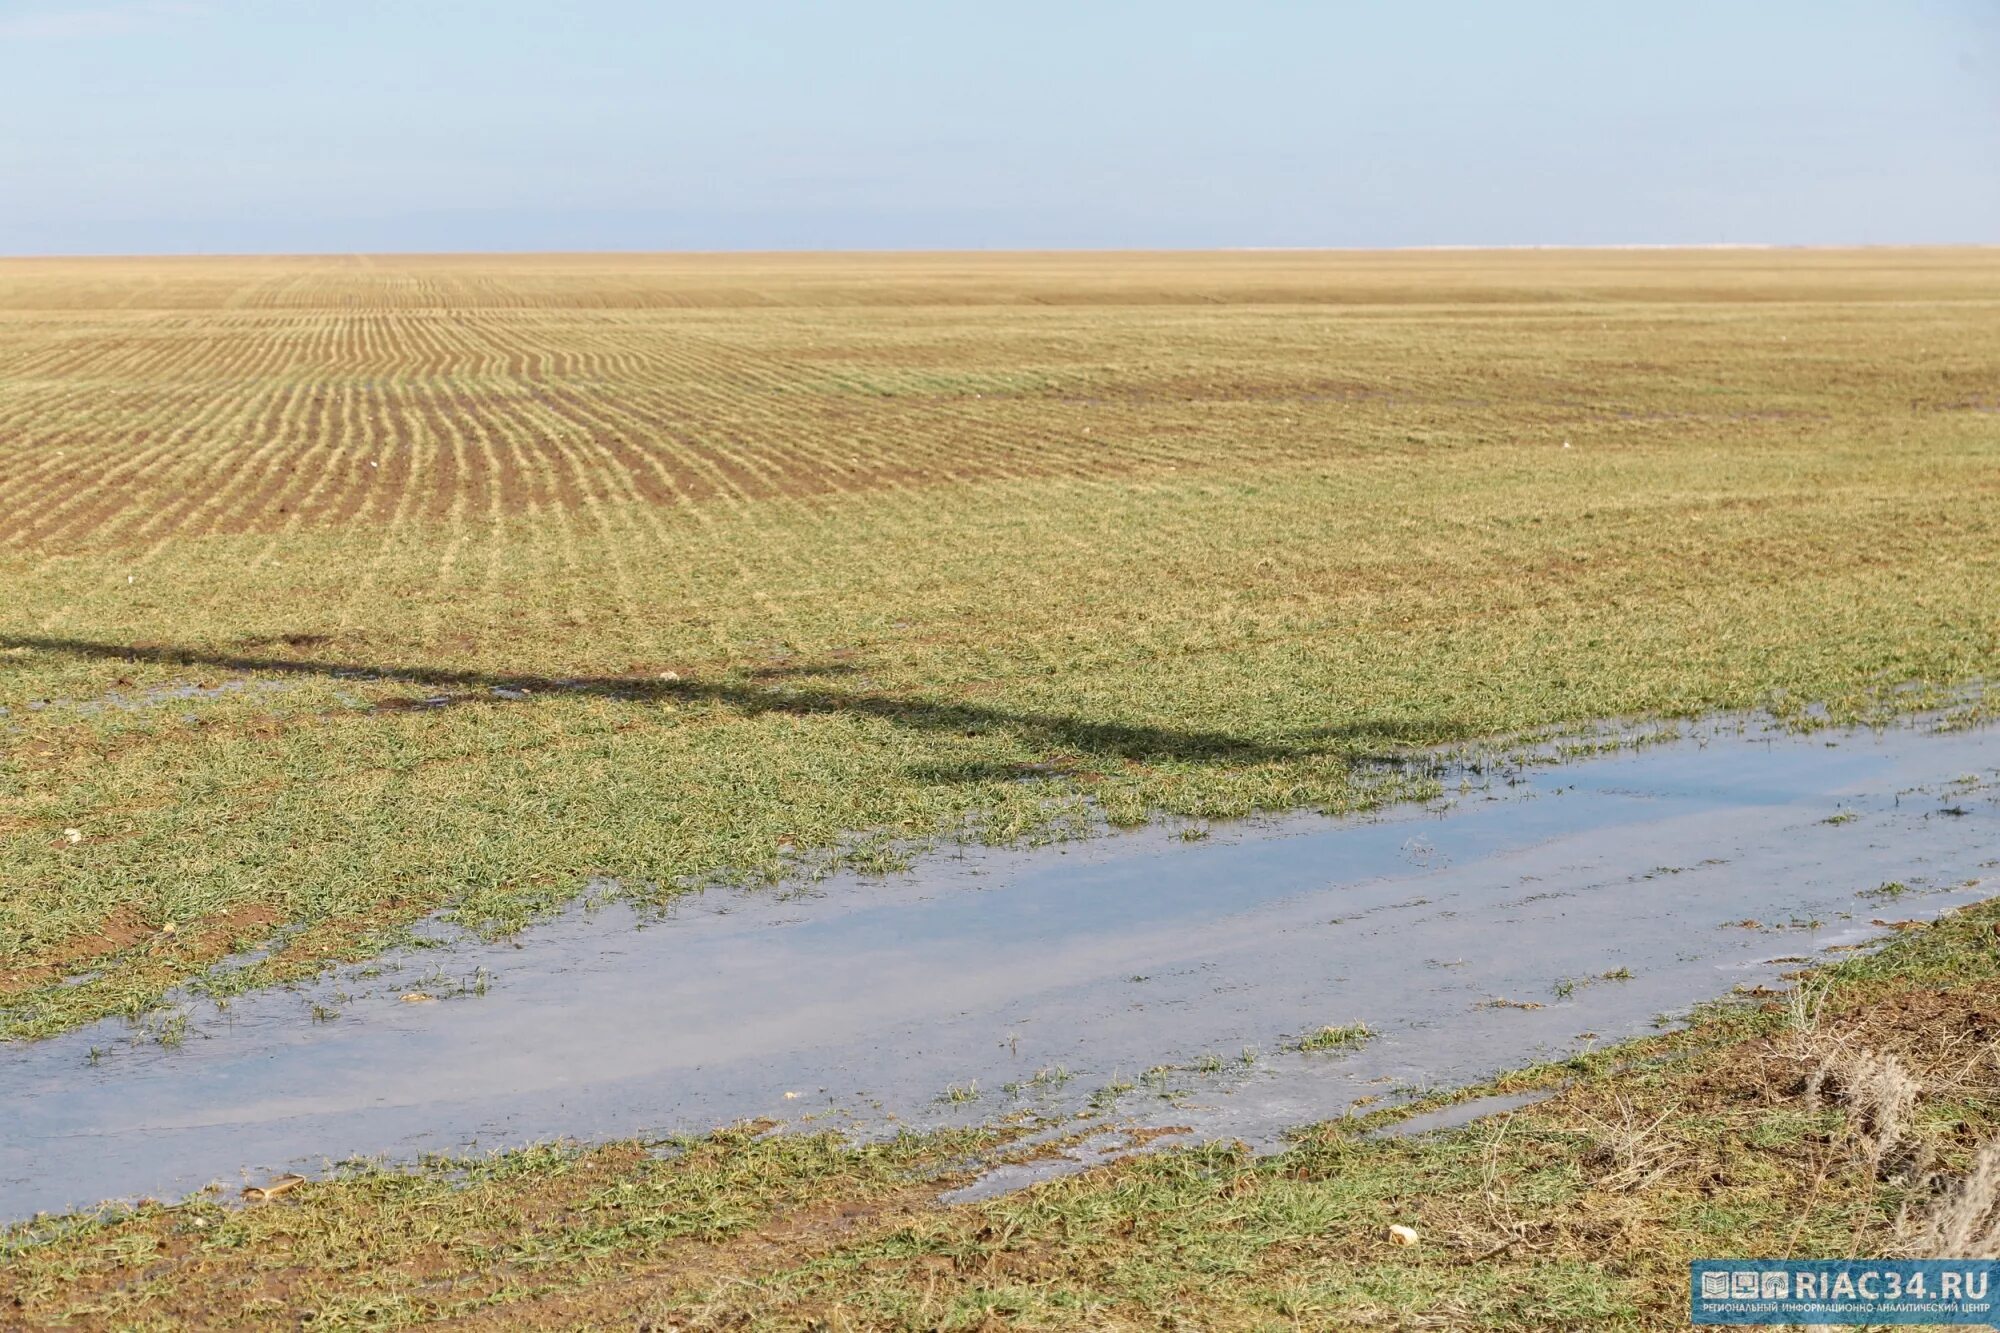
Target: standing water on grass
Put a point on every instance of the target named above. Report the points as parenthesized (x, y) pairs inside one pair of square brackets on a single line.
[(1144, 976)]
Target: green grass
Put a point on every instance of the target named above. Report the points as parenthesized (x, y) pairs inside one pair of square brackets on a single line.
[(1581, 1210), (701, 602), (1347, 1038), (493, 577)]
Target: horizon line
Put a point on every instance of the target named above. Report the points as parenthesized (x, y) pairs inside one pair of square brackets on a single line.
[(886, 251)]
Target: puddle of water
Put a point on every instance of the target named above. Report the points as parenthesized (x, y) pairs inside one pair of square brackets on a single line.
[(1568, 908), (1095, 1150), (1458, 1114)]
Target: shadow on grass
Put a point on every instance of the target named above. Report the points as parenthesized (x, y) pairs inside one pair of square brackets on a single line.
[(800, 692)]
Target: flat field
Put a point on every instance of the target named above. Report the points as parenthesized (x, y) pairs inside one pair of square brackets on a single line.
[(337, 591), (334, 591)]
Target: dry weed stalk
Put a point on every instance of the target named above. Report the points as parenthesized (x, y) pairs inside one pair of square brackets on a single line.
[(1633, 1148), (1881, 1099), (1877, 1091), (1964, 1223)]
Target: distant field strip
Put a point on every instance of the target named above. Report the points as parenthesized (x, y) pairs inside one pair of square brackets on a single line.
[(673, 566), (260, 426)]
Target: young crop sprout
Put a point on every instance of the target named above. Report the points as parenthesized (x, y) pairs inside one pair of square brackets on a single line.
[(1336, 1038)]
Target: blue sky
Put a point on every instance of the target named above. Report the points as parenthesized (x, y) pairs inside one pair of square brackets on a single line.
[(294, 125)]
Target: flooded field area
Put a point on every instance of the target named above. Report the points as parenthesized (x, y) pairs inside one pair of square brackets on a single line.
[(1234, 980)]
